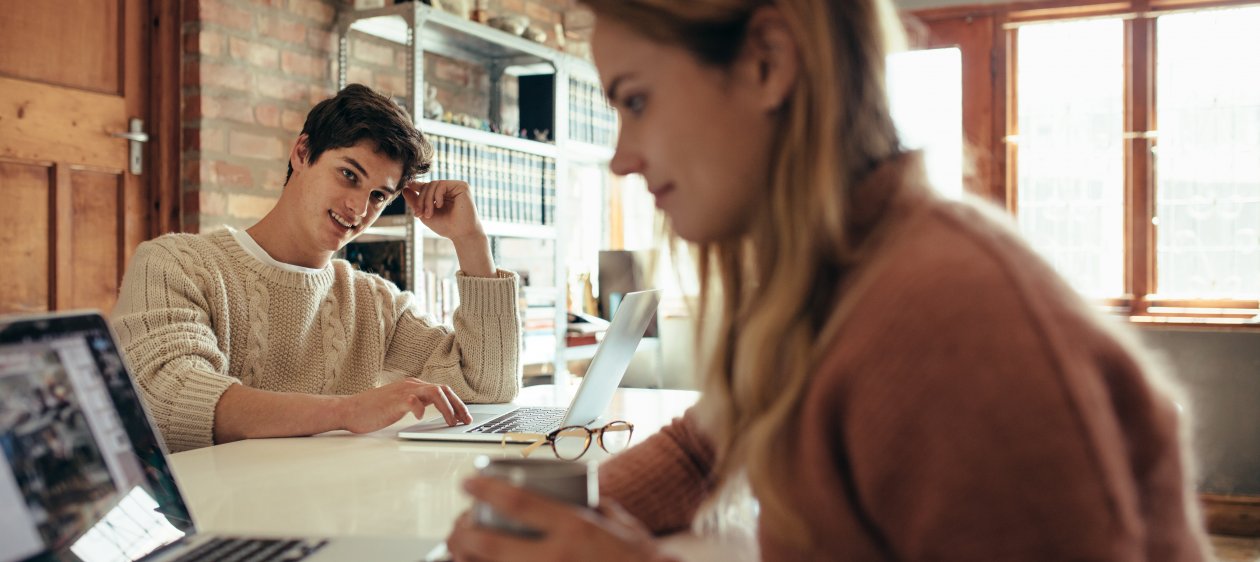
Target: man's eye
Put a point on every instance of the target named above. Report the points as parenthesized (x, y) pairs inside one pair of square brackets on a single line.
[(380, 196), (348, 174)]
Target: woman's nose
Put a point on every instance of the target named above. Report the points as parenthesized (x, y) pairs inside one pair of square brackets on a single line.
[(625, 161)]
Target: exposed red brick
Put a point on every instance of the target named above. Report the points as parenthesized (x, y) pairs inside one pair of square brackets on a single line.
[(229, 174), (212, 202), (267, 114), (451, 72), (292, 121), (280, 88), (303, 65), (203, 42), (322, 13), (273, 180), (224, 76), (318, 93), (204, 139), (217, 12), (249, 206), (199, 173), (257, 54), (321, 40), (232, 107), (391, 84), (273, 27), (249, 145), (359, 75), (371, 52)]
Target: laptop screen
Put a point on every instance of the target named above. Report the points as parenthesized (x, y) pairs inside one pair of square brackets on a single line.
[(82, 475)]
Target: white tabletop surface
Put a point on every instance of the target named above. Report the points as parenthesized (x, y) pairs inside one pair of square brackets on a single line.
[(371, 485)]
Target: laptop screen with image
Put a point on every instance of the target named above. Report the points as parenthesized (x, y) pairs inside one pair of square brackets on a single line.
[(82, 475)]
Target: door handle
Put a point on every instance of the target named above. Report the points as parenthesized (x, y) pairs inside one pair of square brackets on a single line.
[(137, 137)]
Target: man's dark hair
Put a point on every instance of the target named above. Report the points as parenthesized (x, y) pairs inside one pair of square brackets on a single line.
[(358, 112)]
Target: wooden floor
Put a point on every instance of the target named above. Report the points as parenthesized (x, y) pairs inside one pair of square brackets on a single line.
[(1236, 549)]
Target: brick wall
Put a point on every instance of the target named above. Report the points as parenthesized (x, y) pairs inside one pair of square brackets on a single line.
[(253, 68)]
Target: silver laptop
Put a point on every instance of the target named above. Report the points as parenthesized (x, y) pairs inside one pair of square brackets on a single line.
[(491, 422), (84, 475)]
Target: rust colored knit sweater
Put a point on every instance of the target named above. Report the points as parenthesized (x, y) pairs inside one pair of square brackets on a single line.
[(198, 313), (971, 407)]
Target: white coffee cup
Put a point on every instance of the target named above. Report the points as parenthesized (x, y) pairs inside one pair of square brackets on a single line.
[(571, 482)]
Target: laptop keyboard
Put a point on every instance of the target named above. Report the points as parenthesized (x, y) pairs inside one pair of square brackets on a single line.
[(523, 420), (230, 549)]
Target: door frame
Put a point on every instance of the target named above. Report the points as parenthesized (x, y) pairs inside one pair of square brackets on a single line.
[(164, 153)]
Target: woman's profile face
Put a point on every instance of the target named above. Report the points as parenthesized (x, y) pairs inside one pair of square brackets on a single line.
[(697, 134)]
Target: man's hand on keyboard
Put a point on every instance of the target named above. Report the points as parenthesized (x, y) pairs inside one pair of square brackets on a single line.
[(378, 408)]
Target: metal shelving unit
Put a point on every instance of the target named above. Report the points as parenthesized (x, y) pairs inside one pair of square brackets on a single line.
[(419, 28)]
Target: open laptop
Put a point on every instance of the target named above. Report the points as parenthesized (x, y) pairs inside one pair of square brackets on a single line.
[(607, 367), (84, 475)]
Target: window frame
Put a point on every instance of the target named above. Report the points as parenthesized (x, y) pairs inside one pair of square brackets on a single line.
[(997, 88)]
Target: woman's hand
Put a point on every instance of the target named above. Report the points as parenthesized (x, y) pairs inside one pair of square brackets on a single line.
[(446, 207), (568, 532)]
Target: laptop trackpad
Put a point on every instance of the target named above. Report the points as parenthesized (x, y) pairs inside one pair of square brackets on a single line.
[(481, 413)]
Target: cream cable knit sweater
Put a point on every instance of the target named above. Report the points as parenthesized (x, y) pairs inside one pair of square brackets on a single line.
[(196, 314)]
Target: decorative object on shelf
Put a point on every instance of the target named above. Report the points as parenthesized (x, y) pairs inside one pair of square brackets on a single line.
[(558, 33), (432, 107), (514, 24), (457, 7), (534, 34), (479, 13)]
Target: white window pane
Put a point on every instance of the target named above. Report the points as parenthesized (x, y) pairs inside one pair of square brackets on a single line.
[(1208, 164), (925, 95), (1070, 158)]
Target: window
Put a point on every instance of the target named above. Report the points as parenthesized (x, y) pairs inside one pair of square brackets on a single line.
[(1070, 94), (925, 96), (1132, 155), (1208, 154)]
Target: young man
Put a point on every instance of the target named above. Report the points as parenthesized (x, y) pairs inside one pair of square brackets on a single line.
[(260, 333)]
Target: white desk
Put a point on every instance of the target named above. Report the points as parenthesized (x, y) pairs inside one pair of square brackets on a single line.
[(374, 485)]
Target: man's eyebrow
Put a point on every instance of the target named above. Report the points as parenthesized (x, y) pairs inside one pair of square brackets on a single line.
[(393, 190), (357, 166)]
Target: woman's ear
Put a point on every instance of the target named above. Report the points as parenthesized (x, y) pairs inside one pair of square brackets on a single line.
[(772, 48)]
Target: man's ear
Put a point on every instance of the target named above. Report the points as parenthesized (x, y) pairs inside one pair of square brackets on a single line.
[(770, 51), (298, 156)]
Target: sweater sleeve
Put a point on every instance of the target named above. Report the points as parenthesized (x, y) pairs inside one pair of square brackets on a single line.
[(480, 358), (664, 480), (163, 323)]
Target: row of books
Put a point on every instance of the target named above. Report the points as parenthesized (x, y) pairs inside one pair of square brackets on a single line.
[(507, 185), (591, 119)]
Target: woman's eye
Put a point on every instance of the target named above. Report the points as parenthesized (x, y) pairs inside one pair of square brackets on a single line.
[(348, 174), (635, 104)]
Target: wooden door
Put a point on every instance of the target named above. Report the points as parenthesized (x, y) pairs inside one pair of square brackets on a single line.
[(71, 73)]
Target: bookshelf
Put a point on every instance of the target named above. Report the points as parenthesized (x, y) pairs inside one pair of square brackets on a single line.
[(519, 156)]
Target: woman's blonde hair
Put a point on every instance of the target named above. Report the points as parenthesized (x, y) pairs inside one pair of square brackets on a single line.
[(777, 285)]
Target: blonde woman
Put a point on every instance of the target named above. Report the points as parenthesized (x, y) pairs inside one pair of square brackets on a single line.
[(896, 375)]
